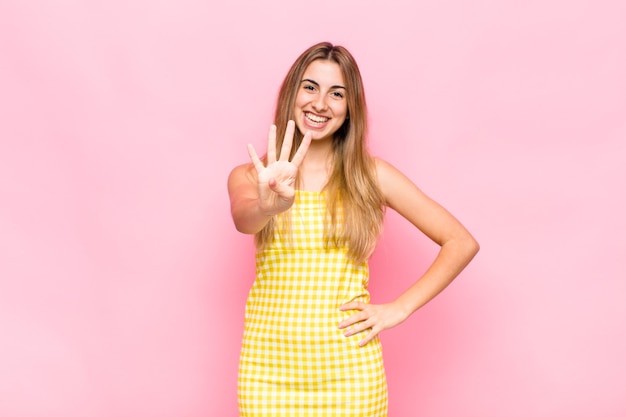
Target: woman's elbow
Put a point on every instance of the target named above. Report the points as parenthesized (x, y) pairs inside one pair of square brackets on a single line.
[(472, 246)]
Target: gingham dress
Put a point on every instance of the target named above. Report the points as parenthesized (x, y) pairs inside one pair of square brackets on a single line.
[(295, 361)]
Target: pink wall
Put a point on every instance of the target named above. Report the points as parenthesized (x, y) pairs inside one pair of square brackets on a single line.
[(123, 282)]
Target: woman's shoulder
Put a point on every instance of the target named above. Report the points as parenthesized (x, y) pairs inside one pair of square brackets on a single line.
[(242, 169), (244, 173), (394, 185), (380, 163), (386, 173)]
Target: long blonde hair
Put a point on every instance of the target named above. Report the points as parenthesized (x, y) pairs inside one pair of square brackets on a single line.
[(352, 184)]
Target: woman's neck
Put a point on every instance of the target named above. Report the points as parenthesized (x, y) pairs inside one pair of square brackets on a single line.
[(316, 166)]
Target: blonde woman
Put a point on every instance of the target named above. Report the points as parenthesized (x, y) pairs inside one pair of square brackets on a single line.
[(315, 204)]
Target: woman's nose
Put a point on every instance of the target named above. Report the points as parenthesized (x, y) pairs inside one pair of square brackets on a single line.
[(319, 104)]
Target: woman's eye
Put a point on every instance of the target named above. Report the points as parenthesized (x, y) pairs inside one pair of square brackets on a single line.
[(309, 88), (337, 94)]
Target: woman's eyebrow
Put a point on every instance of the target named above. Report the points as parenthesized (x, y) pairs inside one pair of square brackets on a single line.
[(317, 84)]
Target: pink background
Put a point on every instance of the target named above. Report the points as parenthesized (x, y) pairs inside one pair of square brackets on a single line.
[(123, 281)]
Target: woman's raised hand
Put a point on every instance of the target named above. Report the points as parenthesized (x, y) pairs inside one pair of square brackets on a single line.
[(276, 180)]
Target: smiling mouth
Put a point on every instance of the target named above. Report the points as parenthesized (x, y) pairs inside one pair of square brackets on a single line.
[(316, 119)]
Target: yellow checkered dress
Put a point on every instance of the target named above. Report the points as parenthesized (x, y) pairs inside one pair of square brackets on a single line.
[(295, 361)]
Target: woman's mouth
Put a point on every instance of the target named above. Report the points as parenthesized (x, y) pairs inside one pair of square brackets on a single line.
[(315, 120)]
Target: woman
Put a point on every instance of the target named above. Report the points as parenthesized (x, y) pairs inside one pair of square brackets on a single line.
[(316, 204)]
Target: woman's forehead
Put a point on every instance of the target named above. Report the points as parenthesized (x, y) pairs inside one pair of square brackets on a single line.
[(324, 71)]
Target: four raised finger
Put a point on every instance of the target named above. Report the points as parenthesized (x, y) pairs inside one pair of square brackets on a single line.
[(271, 145), (259, 165), (285, 150), (256, 161), (304, 147)]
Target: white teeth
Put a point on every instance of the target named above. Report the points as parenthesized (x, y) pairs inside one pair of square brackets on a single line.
[(316, 119)]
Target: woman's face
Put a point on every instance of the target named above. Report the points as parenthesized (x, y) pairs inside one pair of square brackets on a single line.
[(321, 106)]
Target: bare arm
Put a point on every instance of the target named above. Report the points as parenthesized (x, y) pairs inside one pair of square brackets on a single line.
[(458, 247), (244, 200)]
